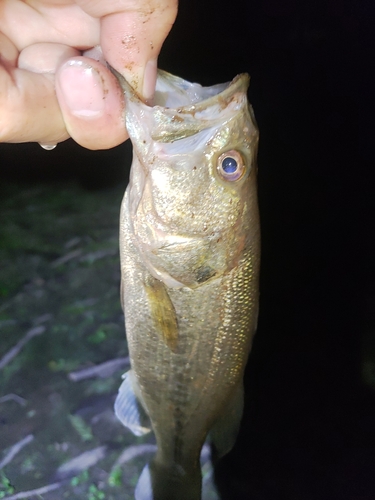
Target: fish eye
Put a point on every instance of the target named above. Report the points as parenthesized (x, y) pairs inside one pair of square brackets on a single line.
[(230, 166)]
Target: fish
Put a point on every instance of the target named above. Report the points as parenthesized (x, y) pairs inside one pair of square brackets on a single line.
[(190, 258)]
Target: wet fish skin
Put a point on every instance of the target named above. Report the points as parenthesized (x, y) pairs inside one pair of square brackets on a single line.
[(190, 251)]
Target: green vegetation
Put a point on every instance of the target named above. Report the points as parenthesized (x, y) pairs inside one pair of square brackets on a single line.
[(80, 426), (95, 493), (98, 337), (6, 487), (81, 478), (115, 477)]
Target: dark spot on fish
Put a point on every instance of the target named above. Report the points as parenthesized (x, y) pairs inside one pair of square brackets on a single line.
[(194, 168), (204, 273), (144, 142), (192, 216), (178, 415)]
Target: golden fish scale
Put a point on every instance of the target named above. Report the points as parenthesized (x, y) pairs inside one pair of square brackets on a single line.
[(187, 200), (185, 390)]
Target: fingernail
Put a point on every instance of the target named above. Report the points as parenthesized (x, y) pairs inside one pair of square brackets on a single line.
[(82, 89), (149, 79)]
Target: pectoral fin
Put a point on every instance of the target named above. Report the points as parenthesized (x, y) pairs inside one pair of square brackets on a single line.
[(224, 432), (128, 408), (162, 311), (143, 490)]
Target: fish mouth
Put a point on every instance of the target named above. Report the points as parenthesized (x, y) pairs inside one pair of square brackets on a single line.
[(181, 111), (180, 108)]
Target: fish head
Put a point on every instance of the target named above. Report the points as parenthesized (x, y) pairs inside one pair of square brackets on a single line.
[(192, 189)]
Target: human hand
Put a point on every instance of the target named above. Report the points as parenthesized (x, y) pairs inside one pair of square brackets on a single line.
[(50, 88)]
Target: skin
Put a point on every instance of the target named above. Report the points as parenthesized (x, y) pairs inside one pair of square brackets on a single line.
[(54, 85)]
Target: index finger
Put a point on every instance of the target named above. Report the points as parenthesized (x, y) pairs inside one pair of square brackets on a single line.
[(132, 34)]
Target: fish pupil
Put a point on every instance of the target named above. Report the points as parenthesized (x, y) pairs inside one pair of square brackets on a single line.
[(229, 165)]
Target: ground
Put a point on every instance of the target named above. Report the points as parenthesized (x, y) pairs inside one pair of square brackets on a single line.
[(60, 313)]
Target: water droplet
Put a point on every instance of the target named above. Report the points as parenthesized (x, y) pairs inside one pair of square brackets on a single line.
[(48, 147)]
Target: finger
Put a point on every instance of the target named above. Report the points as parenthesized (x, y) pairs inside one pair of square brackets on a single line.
[(45, 57), (8, 51), (91, 102), (29, 108), (132, 34), (63, 21)]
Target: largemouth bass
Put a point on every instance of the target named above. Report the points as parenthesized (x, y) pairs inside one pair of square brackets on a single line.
[(190, 249)]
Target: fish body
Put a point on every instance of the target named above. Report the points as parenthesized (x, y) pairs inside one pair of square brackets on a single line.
[(190, 251)]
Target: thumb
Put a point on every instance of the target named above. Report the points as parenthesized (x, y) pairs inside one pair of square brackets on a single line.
[(132, 34), (91, 103)]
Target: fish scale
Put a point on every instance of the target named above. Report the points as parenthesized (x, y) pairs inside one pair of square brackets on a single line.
[(189, 246)]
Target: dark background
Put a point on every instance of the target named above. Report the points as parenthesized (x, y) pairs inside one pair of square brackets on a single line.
[(308, 431)]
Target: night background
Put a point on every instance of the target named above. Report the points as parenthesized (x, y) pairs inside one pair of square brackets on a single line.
[(308, 431)]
